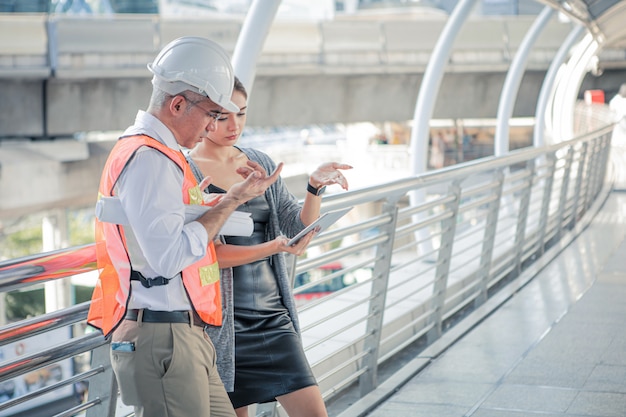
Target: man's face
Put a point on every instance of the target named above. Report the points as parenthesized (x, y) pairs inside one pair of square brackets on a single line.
[(198, 119)]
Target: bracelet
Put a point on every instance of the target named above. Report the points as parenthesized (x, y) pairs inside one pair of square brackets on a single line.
[(315, 191)]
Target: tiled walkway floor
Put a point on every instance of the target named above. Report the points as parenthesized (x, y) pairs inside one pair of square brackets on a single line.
[(555, 348)]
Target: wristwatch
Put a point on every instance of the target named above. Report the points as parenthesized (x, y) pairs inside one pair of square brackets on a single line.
[(315, 191)]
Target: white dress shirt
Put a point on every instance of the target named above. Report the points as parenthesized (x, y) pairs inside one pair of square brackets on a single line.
[(159, 242)]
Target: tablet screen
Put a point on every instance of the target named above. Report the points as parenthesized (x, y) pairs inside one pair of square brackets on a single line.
[(324, 221)]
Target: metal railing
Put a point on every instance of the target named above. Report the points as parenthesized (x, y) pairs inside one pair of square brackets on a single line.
[(406, 264)]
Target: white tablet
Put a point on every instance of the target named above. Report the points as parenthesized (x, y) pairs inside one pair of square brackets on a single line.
[(324, 221)]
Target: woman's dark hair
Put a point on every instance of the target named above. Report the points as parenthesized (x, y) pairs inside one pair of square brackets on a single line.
[(239, 87)]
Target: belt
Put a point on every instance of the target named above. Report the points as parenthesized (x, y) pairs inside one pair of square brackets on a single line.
[(152, 316)]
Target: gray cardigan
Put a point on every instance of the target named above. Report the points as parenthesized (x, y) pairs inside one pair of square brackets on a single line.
[(284, 219)]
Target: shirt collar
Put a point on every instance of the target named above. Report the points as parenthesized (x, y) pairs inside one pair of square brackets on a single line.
[(147, 124)]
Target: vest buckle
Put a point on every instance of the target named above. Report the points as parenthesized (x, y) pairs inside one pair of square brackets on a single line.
[(148, 282)]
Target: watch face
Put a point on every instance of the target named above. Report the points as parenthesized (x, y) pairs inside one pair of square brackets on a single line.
[(321, 190)]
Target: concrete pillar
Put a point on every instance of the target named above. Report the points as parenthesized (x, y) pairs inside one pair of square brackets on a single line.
[(58, 293), (350, 6)]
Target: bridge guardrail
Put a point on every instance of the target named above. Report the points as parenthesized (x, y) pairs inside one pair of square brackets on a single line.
[(399, 270)]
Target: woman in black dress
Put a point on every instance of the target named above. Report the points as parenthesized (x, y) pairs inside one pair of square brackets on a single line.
[(269, 361)]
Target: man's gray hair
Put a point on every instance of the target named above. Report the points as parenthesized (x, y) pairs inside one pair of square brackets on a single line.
[(158, 98)]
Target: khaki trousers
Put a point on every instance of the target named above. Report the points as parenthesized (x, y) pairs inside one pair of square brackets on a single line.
[(170, 373)]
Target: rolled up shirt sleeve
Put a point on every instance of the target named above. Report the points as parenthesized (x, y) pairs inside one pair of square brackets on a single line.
[(149, 190), (198, 238)]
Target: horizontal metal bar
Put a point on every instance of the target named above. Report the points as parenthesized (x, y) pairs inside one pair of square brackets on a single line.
[(65, 350)]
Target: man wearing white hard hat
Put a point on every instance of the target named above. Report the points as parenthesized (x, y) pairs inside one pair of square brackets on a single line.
[(159, 279)]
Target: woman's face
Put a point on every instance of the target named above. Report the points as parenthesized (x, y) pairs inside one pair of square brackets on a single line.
[(230, 125)]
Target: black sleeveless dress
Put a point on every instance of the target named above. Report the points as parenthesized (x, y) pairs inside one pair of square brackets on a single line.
[(269, 359)]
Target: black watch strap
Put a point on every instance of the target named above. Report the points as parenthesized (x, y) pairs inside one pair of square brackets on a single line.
[(315, 191)]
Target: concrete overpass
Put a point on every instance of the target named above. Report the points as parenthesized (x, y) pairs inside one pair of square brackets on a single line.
[(61, 75)]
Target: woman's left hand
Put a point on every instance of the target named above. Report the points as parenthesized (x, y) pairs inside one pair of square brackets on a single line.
[(297, 248), (328, 174)]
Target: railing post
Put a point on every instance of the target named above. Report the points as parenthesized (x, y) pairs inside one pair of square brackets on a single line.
[(522, 218), (440, 284), (606, 150), (545, 202), (371, 344), (590, 175), (582, 160), (486, 254), (102, 386), (567, 169), (593, 178), (585, 193), (601, 162)]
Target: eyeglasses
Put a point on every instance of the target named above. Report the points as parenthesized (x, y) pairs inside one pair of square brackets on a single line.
[(215, 115)]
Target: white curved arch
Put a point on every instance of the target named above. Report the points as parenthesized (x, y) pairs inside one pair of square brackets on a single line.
[(251, 39), (543, 118), (514, 79), (567, 85)]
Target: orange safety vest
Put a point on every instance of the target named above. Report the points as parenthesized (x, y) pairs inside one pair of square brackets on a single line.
[(110, 295)]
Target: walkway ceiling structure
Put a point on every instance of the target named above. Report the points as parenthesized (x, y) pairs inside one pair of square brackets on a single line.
[(603, 22), (604, 19)]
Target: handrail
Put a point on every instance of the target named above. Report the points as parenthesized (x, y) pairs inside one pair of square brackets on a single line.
[(365, 288), (15, 274), (17, 331)]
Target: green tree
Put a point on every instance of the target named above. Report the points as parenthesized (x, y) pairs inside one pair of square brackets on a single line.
[(23, 304)]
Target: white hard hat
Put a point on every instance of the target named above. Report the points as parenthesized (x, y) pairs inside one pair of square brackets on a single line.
[(195, 64)]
